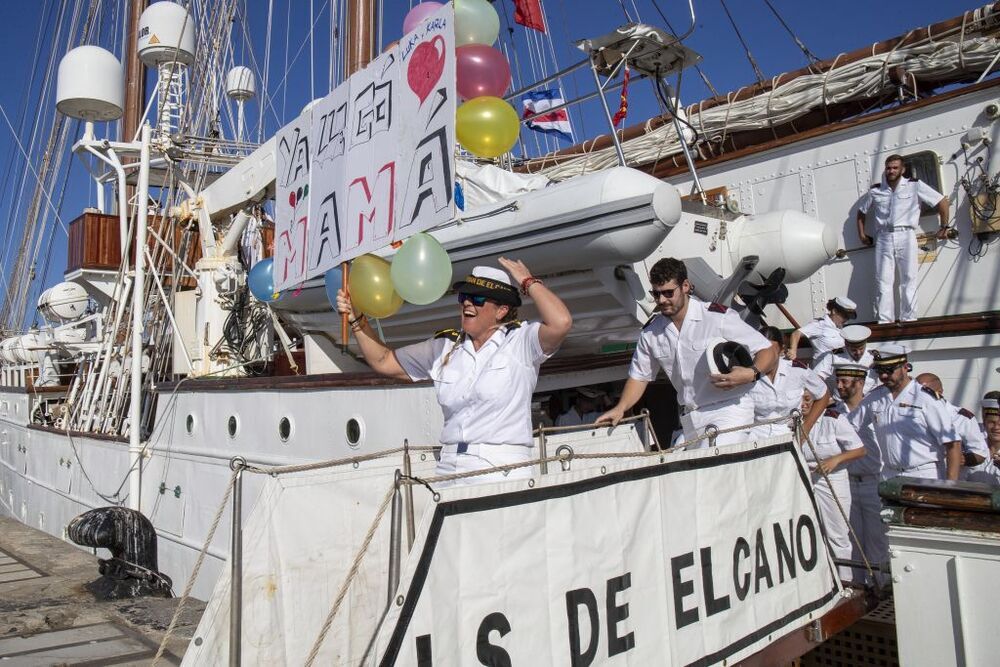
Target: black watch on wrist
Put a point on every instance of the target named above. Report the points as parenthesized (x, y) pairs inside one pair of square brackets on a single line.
[(756, 372)]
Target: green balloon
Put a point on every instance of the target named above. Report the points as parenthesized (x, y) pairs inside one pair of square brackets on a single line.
[(476, 22), (421, 270)]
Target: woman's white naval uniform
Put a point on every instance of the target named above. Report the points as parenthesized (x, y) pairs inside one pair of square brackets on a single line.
[(824, 337), (986, 472), (777, 398), (681, 355), (485, 396), (832, 435)]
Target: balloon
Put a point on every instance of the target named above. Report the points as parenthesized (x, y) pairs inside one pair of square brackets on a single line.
[(480, 70), (371, 287), (476, 22), (487, 126), (261, 281), (421, 270), (418, 14), (333, 280)]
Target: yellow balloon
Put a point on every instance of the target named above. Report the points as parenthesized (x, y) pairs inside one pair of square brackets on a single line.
[(487, 126), (371, 289)]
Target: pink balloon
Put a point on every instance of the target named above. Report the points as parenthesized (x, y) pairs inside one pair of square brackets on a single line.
[(418, 14), (480, 70)]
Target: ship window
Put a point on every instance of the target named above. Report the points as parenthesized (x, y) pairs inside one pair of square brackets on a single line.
[(284, 429), (926, 167), (233, 426), (189, 424), (355, 432)]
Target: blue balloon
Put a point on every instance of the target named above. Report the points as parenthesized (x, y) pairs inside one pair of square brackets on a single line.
[(333, 281), (261, 280)]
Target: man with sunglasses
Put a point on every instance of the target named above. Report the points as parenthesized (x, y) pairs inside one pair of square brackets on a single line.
[(676, 339), (484, 372), (914, 431)]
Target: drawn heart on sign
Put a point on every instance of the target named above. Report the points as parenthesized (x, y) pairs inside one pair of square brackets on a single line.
[(426, 66)]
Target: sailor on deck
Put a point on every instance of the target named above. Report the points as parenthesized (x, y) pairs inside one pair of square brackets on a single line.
[(676, 339), (915, 433), (779, 392), (974, 448), (855, 350), (824, 333), (863, 473), (895, 205), (989, 471), (484, 373), (834, 443)]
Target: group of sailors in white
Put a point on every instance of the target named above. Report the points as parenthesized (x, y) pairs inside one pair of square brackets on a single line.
[(727, 375)]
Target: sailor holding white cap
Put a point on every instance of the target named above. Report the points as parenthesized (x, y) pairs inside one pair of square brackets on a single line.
[(989, 471), (895, 204), (974, 449), (824, 333), (484, 373), (836, 444), (864, 473), (779, 392), (677, 339), (855, 350), (914, 430)]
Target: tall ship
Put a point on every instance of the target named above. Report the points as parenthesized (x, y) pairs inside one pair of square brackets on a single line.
[(191, 369)]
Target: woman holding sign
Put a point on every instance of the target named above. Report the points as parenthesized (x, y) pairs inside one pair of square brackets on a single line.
[(484, 371)]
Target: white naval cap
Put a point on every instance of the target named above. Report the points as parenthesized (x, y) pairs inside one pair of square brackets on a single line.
[(890, 355), (849, 369), (723, 355), (491, 273), (856, 333), (845, 303), (990, 406)]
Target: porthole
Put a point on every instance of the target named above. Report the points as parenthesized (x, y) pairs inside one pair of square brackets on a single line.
[(189, 424), (233, 426), (355, 432), (284, 429)]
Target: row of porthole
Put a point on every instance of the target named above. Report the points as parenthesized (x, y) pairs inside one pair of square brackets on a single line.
[(354, 429)]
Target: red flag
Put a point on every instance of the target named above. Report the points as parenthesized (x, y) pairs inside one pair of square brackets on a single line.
[(623, 106), (529, 14)]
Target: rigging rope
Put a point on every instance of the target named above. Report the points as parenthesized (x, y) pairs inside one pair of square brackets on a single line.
[(746, 48)]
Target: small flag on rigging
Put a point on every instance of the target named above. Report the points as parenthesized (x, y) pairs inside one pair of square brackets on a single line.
[(623, 106), (529, 14), (550, 122)]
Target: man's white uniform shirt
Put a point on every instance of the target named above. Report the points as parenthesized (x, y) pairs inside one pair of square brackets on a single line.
[(899, 207), (485, 395), (871, 464), (681, 354), (967, 428), (777, 398), (911, 429), (824, 337), (832, 434), (825, 369)]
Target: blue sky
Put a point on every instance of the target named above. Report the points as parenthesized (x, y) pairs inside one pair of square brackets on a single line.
[(826, 29)]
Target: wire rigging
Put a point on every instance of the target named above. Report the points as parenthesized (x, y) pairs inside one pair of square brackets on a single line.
[(746, 49)]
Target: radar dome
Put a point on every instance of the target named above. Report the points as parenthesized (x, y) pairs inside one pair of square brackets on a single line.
[(90, 85), (166, 34), (64, 302), (240, 83)]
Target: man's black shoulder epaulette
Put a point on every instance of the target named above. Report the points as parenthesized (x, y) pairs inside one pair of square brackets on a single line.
[(448, 333), (966, 413), (832, 412), (510, 326), (652, 318), (930, 391), (913, 179), (798, 363), (717, 307), (839, 350), (876, 186)]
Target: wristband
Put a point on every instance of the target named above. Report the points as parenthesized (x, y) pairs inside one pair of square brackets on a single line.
[(527, 283), (358, 323), (756, 372)]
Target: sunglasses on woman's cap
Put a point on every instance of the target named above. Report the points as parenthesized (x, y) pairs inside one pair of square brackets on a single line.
[(478, 300), (665, 293)]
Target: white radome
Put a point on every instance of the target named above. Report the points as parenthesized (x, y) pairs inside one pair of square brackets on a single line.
[(90, 85), (166, 35), (240, 83)]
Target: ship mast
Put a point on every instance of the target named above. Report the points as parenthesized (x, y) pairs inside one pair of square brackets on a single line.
[(135, 79)]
